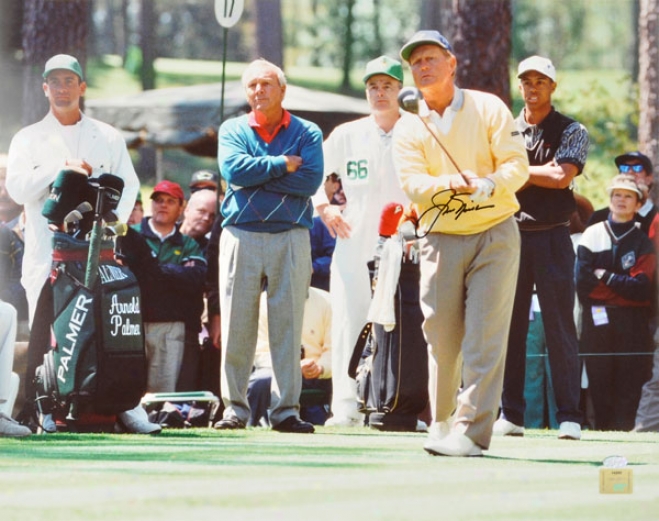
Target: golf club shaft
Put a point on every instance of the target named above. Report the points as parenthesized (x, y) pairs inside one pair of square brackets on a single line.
[(95, 242), (466, 179)]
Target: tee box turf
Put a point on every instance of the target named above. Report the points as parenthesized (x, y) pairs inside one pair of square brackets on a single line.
[(616, 481)]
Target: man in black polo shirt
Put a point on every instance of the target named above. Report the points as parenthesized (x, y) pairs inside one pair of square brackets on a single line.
[(557, 147)]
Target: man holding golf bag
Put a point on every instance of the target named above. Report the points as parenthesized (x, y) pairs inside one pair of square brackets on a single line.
[(66, 141), (461, 160)]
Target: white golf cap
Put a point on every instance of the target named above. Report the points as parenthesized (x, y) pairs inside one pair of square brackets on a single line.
[(538, 64)]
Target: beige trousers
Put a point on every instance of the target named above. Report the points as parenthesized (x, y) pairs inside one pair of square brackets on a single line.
[(164, 345), (467, 292)]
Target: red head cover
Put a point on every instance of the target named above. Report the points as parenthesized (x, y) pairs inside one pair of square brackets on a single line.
[(389, 218)]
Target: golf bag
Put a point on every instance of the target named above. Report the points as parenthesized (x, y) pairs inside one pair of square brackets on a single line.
[(96, 364), (391, 367)]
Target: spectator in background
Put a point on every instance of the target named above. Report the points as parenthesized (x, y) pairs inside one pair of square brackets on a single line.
[(199, 215), (137, 214), (322, 249), (557, 147), (198, 219), (359, 153), (211, 355), (315, 363), (647, 415), (11, 248), (8, 388), (339, 198), (272, 162), (171, 270), (616, 265), (640, 166), (322, 241), (203, 180), (581, 215), (211, 341), (331, 185)]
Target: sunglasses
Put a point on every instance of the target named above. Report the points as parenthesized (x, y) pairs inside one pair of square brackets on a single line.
[(624, 169)]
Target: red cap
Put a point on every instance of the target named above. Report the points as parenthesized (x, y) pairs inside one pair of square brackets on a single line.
[(169, 188), (389, 218)]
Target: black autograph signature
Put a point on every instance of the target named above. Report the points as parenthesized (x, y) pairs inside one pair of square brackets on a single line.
[(457, 205)]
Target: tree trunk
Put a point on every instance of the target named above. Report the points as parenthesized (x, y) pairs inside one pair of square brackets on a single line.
[(269, 37), (482, 44), (126, 31), (10, 71), (49, 27), (348, 39), (148, 44), (648, 80), (437, 14), (378, 45), (634, 30)]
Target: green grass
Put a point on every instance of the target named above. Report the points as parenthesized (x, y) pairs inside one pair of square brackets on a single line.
[(335, 474), (106, 77)]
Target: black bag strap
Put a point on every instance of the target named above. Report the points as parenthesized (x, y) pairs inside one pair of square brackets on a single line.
[(359, 349)]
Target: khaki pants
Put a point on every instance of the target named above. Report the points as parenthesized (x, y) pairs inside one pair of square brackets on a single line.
[(467, 291), (164, 344)]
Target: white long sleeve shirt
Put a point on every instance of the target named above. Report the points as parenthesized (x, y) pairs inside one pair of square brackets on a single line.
[(37, 153)]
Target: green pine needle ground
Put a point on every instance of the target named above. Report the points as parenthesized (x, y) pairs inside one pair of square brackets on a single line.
[(336, 474)]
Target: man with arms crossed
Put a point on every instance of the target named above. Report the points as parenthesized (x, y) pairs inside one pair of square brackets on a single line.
[(273, 163), (557, 147)]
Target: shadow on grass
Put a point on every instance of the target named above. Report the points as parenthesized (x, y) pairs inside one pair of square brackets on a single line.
[(189, 447), (588, 436), (585, 463)]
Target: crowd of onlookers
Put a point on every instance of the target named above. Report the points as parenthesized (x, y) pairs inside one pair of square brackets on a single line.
[(225, 289), (613, 366)]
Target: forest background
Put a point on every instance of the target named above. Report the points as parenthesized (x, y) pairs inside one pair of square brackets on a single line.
[(132, 45)]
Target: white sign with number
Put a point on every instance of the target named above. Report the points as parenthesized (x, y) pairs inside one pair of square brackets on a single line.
[(228, 12)]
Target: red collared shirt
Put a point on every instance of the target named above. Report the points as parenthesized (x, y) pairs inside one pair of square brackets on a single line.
[(262, 131)]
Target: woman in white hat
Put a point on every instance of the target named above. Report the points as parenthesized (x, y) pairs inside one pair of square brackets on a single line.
[(614, 276)]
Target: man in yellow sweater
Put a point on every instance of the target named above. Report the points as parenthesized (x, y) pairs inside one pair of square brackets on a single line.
[(470, 246)]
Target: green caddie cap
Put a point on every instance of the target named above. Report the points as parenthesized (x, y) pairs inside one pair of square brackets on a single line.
[(384, 65), (63, 61)]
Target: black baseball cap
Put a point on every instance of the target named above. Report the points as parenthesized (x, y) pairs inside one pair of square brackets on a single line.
[(203, 179), (635, 156)]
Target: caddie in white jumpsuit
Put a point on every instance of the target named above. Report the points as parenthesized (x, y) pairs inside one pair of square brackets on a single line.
[(37, 153), (359, 152), (65, 139)]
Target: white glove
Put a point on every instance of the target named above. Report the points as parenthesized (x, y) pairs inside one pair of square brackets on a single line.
[(484, 188)]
